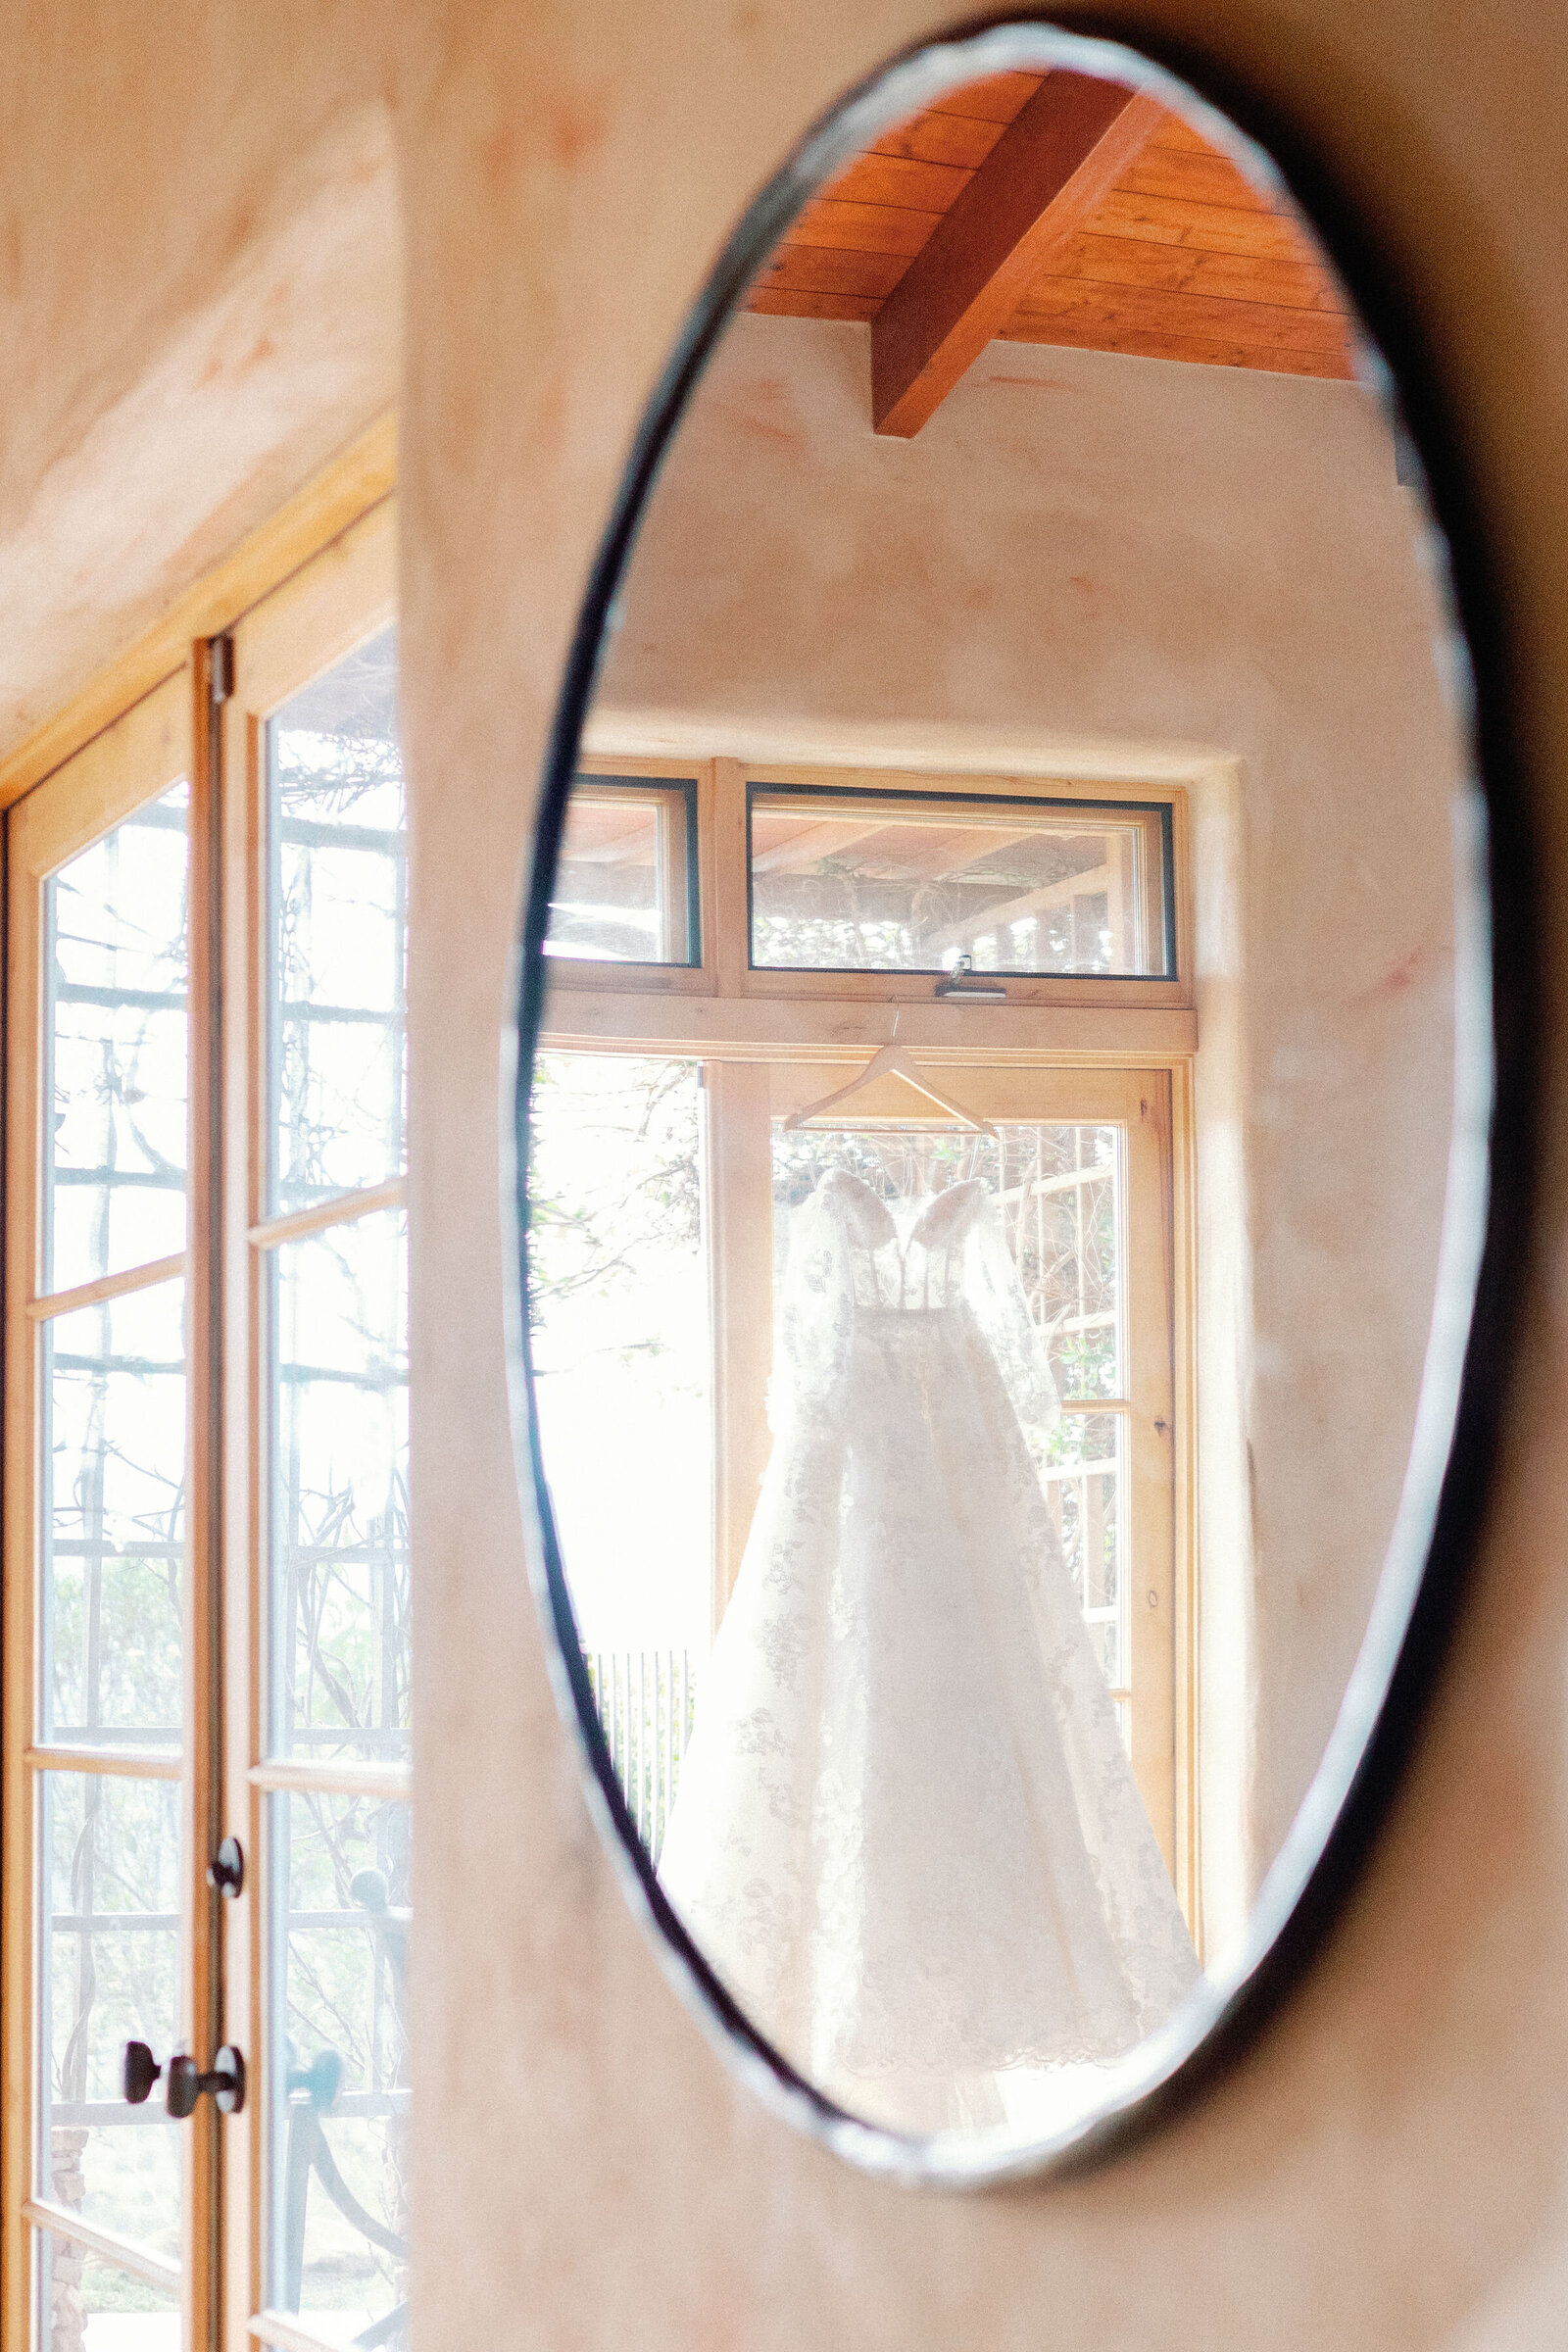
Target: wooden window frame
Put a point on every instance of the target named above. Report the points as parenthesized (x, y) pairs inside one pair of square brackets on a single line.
[(735, 781), (592, 977), (724, 1007), (311, 621), (125, 768), (1117, 1052), (678, 879), (316, 579), (1153, 914)]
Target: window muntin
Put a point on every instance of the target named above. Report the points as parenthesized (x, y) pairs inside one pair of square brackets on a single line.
[(854, 880), (626, 885), (70, 2282)]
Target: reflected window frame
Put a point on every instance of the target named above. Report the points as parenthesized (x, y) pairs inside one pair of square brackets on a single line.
[(721, 787), (678, 909), (1150, 822)]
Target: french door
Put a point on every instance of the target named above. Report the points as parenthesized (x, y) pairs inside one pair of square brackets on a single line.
[(207, 1566), (1078, 1167), (662, 1182)]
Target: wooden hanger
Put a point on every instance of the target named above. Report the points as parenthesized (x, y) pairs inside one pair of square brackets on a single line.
[(892, 1061)]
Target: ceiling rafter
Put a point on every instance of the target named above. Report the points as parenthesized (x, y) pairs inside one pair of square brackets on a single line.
[(1049, 171)]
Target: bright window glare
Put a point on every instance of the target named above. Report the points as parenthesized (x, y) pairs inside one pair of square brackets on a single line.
[(618, 1302)]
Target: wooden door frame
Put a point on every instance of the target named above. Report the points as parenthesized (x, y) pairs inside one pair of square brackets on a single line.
[(1152, 1106), (119, 771), (311, 621), (73, 779)]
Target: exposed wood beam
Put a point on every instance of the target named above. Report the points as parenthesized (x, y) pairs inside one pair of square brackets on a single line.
[(1050, 169)]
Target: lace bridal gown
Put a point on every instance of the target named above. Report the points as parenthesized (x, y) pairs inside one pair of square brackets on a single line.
[(907, 1834)]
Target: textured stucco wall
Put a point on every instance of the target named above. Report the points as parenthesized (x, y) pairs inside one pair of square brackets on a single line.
[(1388, 2170)]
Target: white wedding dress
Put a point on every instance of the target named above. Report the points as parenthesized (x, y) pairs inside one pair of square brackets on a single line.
[(907, 1834)]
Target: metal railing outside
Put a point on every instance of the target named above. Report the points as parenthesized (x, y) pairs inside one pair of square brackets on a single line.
[(645, 1701)]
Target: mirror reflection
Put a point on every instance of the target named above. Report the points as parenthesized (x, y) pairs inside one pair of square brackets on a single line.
[(993, 1104)]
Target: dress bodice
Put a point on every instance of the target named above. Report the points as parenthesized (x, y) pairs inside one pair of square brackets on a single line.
[(855, 1262), (910, 1262)]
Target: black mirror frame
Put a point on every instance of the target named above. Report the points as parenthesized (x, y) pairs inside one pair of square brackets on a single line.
[(1490, 1204)]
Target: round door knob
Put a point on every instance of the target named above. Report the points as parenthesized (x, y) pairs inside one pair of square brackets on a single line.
[(185, 2082), (225, 1872), (139, 2071)]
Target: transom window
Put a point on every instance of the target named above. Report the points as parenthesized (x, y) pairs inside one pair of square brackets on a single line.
[(625, 888), (864, 881)]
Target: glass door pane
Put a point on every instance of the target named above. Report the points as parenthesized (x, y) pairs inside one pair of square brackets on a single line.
[(108, 1952), (97, 1586), (339, 924), (338, 2081), (113, 1522), (333, 1707), (118, 1049), (341, 1662), (85, 2304)]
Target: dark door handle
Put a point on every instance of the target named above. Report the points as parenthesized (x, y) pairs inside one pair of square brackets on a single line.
[(185, 2081)]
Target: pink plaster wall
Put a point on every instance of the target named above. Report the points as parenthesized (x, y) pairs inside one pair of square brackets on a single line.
[(1388, 2171)]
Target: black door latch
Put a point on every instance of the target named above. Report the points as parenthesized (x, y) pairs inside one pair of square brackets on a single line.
[(185, 2082)]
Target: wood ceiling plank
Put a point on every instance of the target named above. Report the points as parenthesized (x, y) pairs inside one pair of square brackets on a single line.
[(1145, 310), (833, 270), (1209, 351), (942, 139), (1059, 157), (796, 303), (1208, 227), (893, 179), (1174, 132), (862, 227), (1179, 270), (1000, 98), (1199, 178)]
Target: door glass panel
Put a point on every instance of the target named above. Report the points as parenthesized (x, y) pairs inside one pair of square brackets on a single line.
[(1058, 1197), (109, 1960), (337, 2093), (625, 889), (88, 2305), (908, 882), (618, 1308), (1081, 1472), (340, 1511), (339, 891), (113, 1520), (115, 1062)]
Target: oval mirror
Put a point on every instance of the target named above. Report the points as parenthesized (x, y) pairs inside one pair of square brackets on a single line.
[(1006, 1076)]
